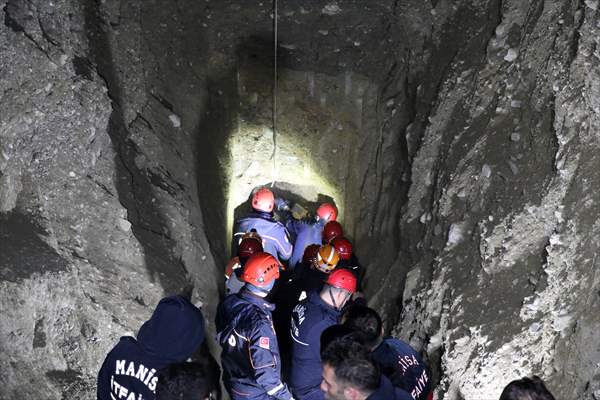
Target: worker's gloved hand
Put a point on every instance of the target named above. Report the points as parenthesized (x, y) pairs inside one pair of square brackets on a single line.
[(282, 204)]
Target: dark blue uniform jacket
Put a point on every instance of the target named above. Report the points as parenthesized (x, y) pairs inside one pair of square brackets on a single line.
[(309, 319), (250, 357), (274, 235), (304, 233), (387, 391), (404, 367), (172, 334)]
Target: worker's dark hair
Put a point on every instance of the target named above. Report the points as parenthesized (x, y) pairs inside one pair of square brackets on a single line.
[(352, 365), (526, 389), (186, 380), (335, 332), (364, 320)]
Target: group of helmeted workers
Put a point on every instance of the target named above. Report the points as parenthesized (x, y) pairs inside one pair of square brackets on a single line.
[(293, 325), (292, 280)]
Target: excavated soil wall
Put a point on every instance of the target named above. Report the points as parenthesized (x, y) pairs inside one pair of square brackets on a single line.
[(459, 139)]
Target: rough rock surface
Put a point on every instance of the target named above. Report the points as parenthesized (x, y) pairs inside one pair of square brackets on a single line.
[(99, 214), (506, 283), (459, 137)]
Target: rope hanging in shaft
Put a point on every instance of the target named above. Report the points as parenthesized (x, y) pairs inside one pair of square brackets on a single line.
[(274, 115)]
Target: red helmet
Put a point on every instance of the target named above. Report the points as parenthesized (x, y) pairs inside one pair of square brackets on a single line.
[(263, 200), (343, 247), (260, 269), (310, 253), (342, 279), (331, 230), (327, 211), (249, 245)]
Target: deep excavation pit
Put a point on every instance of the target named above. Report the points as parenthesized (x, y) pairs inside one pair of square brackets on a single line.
[(459, 139)]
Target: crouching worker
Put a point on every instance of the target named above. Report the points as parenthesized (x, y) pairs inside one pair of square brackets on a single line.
[(250, 356), (171, 335), (396, 359), (309, 319), (251, 243), (349, 374)]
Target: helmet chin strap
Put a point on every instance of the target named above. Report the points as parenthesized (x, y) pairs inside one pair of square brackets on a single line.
[(334, 303)]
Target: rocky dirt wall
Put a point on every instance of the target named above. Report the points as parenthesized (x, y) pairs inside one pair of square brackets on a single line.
[(100, 214), (502, 185), (468, 172)]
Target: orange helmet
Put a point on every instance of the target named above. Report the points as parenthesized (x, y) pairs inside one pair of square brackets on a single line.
[(331, 230), (343, 247), (342, 279), (263, 200), (251, 243), (260, 269), (327, 258), (327, 211)]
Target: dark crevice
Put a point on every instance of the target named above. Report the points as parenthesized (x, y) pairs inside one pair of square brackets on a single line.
[(534, 13), (101, 185), (164, 102), (12, 13), (554, 137), (577, 23), (9, 21), (46, 35), (23, 249), (83, 67)]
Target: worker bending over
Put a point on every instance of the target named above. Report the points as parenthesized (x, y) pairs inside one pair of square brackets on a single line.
[(308, 231), (274, 235)]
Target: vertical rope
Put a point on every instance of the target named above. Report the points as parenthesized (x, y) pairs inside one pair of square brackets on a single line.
[(274, 115)]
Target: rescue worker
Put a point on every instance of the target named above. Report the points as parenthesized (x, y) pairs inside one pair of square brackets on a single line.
[(250, 356), (172, 334), (274, 235), (315, 269), (309, 319), (332, 230), (396, 359), (306, 278), (347, 258), (350, 374), (251, 243), (310, 231)]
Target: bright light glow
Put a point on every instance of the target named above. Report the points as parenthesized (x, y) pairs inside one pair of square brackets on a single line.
[(251, 147)]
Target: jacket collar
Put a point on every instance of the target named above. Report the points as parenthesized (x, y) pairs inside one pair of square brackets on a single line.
[(315, 298), (262, 214), (262, 303)]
